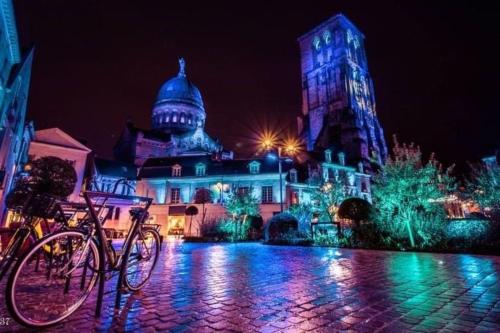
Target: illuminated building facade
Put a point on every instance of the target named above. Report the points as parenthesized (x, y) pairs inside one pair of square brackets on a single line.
[(173, 181), (338, 101), (15, 73)]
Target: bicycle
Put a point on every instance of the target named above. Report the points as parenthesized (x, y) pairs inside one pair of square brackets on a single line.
[(38, 208), (77, 259)]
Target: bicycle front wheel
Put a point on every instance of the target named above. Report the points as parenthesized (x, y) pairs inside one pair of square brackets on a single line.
[(12, 251), (140, 259), (52, 279)]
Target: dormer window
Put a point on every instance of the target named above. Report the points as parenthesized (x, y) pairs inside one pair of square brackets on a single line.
[(293, 175), (328, 156), (176, 170), (342, 158), (254, 167), (200, 169)]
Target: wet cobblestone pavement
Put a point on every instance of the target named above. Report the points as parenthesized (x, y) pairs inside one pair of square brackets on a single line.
[(258, 288)]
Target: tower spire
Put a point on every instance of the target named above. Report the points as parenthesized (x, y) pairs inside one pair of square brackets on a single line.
[(182, 67)]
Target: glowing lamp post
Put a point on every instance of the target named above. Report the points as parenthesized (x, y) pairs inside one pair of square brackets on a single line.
[(290, 146)]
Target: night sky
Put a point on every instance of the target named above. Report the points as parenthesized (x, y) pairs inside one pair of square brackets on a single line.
[(436, 67)]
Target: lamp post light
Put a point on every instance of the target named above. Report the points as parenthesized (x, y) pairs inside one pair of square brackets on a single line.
[(290, 146)]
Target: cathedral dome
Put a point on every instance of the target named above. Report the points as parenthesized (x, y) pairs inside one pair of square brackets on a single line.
[(179, 106), (180, 89)]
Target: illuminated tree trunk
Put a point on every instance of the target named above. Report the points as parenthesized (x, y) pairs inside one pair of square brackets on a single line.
[(243, 222), (410, 232)]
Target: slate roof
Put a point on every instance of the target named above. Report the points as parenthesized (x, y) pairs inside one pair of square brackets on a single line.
[(115, 168), (162, 167)]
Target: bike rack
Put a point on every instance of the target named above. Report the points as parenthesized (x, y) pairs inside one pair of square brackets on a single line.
[(88, 195)]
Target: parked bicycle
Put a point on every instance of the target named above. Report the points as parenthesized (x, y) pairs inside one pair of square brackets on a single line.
[(45, 288), (34, 216)]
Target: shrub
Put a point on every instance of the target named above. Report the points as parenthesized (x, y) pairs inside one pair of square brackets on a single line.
[(467, 233), (292, 237), (233, 231), (406, 196), (256, 224), (279, 224), (355, 209), (49, 176)]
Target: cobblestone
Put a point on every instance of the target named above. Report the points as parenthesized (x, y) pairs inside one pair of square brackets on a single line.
[(257, 288)]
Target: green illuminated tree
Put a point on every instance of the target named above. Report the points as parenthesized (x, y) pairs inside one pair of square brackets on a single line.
[(407, 195), (485, 187), (241, 205), (303, 213), (327, 198)]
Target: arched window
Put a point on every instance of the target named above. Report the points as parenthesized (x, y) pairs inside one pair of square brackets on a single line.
[(167, 117), (174, 118), (254, 167), (176, 170), (183, 118)]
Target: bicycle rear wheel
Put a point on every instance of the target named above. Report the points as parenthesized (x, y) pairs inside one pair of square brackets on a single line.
[(52, 279), (140, 259)]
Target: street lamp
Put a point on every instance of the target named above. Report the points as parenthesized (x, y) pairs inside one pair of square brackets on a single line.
[(289, 146)]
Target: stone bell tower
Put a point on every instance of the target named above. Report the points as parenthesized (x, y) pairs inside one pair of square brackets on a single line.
[(338, 100)]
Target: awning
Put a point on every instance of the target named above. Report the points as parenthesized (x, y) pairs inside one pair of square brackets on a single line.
[(177, 210)]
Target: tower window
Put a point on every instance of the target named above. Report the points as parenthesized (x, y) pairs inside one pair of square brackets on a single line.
[(176, 170), (327, 37), (316, 43)]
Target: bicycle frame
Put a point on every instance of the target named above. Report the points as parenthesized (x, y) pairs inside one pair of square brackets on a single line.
[(104, 249)]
